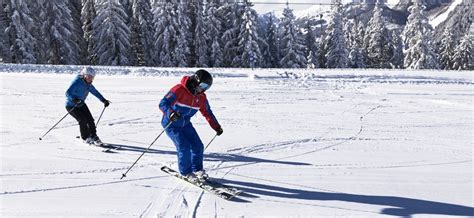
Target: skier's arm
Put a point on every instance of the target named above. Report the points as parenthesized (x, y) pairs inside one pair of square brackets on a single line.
[(96, 93), (167, 102), (206, 111)]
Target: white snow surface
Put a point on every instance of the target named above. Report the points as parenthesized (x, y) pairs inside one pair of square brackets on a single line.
[(299, 143)]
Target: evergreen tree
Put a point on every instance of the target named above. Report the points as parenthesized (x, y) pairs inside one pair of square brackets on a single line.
[(230, 17), (378, 40), (356, 41), (463, 57), (20, 33), (39, 49), (417, 40), (446, 50), (191, 7), (182, 51), (201, 39), (215, 30), (88, 14), (4, 37), (334, 42), (397, 43), (75, 7), (270, 50), (141, 33), (292, 47), (248, 47), (111, 34), (166, 29), (312, 51), (57, 32), (312, 61), (127, 6)]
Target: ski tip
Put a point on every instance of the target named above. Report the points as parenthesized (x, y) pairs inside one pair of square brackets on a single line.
[(108, 151)]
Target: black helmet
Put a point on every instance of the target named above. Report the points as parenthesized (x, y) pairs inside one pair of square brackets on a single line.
[(201, 81), (203, 76)]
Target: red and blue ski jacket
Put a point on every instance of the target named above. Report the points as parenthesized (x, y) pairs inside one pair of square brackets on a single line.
[(181, 100)]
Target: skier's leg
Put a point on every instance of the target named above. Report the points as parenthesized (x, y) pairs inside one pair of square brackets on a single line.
[(90, 121), (197, 148), (183, 149), (78, 114)]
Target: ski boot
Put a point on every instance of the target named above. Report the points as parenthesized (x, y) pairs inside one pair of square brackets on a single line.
[(88, 140), (191, 177), (96, 141), (201, 175)]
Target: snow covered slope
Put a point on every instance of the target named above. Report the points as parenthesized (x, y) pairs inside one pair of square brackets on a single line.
[(438, 18), (298, 143)]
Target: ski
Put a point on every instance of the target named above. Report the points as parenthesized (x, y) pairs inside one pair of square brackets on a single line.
[(107, 148), (220, 190)]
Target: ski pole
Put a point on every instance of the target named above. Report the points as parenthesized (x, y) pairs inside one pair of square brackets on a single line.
[(166, 127), (41, 138), (210, 142), (100, 117)]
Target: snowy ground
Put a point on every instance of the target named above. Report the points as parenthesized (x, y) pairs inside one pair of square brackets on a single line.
[(335, 143)]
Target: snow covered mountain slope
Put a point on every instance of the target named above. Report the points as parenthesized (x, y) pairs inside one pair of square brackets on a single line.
[(314, 11), (437, 18), (298, 143)]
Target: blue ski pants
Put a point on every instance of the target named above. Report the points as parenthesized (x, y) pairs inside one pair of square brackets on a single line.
[(189, 148)]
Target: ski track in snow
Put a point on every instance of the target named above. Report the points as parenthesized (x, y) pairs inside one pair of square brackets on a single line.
[(74, 186), (181, 201), (282, 145), (61, 173), (175, 202)]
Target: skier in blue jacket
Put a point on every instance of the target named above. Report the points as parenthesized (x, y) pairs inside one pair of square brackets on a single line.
[(76, 95), (178, 106)]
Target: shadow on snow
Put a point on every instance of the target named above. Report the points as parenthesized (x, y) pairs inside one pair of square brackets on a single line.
[(397, 206), (210, 156)]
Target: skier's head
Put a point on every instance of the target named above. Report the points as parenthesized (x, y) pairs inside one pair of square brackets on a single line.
[(88, 73), (200, 81)]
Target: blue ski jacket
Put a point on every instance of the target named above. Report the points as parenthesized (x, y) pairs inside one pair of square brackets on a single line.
[(80, 89)]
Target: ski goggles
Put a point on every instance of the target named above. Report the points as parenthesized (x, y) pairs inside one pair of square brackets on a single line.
[(202, 87)]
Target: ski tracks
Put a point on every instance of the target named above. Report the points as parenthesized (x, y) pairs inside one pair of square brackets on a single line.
[(181, 201), (268, 147), (170, 204), (343, 141)]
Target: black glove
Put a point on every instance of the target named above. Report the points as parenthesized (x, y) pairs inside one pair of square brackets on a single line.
[(174, 116), (106, 103), (76, 100), (219, 131)]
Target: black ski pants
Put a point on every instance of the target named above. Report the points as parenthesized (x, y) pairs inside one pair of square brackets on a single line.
[(85, 119)]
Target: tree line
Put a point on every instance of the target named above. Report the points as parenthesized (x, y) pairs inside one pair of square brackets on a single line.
[(222, 33)]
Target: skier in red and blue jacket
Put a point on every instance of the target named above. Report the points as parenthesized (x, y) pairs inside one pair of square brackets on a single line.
[(178, 106)]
